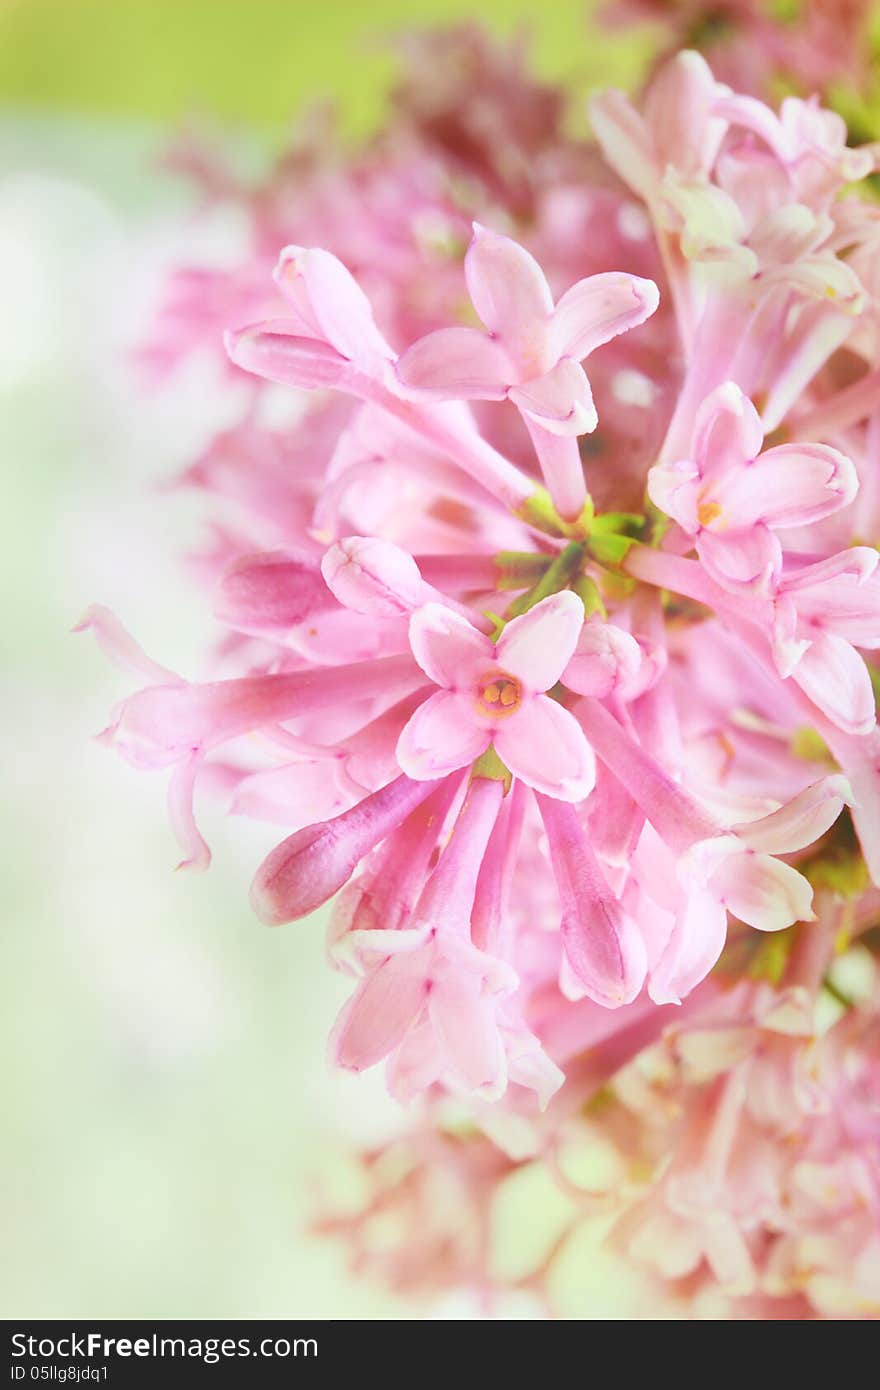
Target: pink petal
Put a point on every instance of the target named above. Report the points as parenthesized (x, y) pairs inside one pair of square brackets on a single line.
[(841, 594), (180, 813), (624, 140), (544, 745), (561, 400), (340, 307), (561, 465), (679, 113), (442, 735), (728, 431), (860, 759), (750, 560), (762, 891), (463, 1018), (792, 485), (271, 351), (379, 1013), (295, 794), (116, 642), (269, 593), (456, 363), (599, 308), (537, 646), (675, 489), (370, 575), (852, 566), (450, 651), (696, 942), (835, 677), (416, 1063), (602, 944), (508, 288), (606, 659), (309, 867), (800, 821)]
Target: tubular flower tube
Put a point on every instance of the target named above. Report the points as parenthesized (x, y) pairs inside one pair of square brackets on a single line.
[(560, 691)]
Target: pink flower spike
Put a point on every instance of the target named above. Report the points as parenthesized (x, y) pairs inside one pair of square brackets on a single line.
[(603, 945), (496, 693)]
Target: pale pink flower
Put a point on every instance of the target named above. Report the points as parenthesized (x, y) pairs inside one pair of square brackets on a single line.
[(732, 498), (495, 693), (529, 351)]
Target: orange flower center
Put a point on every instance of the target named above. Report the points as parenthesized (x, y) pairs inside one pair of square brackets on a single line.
[(499, 694), (707, 512)]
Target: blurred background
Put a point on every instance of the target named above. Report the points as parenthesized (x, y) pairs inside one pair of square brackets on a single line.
[(167, 1101)]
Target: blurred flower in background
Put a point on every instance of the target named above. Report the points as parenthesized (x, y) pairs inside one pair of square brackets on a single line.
[(710, 1161)]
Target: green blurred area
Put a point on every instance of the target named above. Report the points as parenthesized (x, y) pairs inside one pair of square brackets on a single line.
[(259, 62)]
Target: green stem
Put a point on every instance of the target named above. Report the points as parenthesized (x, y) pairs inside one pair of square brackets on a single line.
[(558, 575)]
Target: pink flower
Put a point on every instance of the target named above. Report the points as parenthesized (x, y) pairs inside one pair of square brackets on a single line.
[(494, 693), (732, 498), (680, 127), (530, 351), (822, 613)]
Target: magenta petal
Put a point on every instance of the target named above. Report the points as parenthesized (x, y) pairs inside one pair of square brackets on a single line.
[(544, 745), (537, 646), (597, 309), (450, 651), (441, 736), (456, 363)]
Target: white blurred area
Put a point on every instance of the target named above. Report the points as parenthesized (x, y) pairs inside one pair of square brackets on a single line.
[(167, 1102)]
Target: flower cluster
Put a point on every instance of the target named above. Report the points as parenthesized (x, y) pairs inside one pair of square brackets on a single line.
[(552, 616)]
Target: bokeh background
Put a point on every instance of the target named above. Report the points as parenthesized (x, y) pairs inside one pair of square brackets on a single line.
[(166, 1100)]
